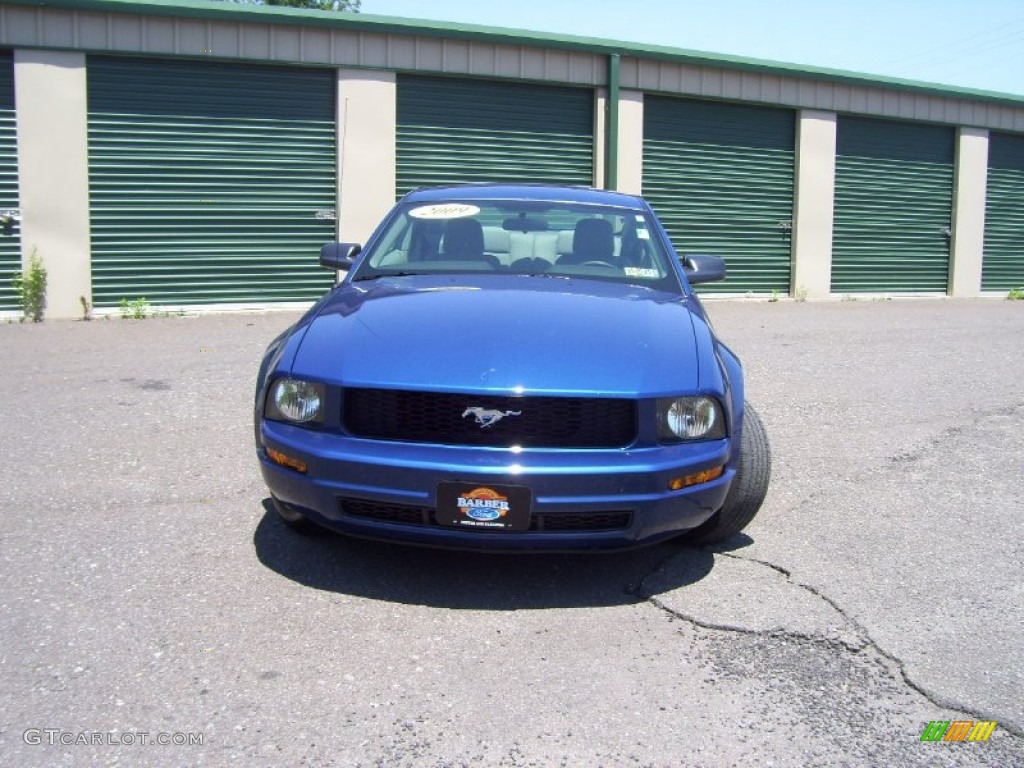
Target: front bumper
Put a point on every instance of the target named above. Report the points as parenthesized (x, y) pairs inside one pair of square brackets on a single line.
[(613, 498)]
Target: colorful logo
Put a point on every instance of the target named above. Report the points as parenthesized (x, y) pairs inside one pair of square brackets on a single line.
[(958, 730), (483, 505)]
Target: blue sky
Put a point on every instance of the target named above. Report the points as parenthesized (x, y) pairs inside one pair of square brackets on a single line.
[(975, 44)]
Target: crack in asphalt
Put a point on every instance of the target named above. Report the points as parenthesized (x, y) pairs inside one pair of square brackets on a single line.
[(976, 419), (869, 642), (638, 592)]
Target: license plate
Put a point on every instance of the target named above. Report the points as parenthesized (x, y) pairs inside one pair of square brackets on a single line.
[(479, 507)]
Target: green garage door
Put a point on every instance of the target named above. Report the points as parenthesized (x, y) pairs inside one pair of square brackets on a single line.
[(893, 206), (1003, 267), (205, 180), (10, 244), (464, 131), (720, 177)]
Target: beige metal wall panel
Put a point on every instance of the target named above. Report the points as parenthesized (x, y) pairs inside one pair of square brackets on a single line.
[(58, 30), (808, 93), (1013, 120), (478, 59), (937, 110), (455, 56), (534, 66), (507, 59), (969, 191), (19, 26), (853, 100), (489, 58), (426, 54), (362, 50), (367, 103), (630, 152), (93, 31), (732, 85), (254, 43), (99, 31), (814, 195), (53, 172), (789, 91), (159, 35), (772, 89), (288, 44), (630, 170), (125, 32)]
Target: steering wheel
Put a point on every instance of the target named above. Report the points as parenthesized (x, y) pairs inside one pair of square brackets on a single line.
[(597, 263)]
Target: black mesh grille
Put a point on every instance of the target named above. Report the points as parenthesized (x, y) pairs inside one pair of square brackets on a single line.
[(424, 516), (593, 521), (449, 419), (388, 513)]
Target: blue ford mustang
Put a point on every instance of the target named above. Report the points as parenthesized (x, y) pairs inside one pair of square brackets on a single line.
[(511, 367)]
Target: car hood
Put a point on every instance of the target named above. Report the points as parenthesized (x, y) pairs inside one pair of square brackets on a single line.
[(502, 334)]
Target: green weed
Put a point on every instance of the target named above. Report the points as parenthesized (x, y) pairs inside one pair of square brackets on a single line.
[(136, 309), (30, 287)]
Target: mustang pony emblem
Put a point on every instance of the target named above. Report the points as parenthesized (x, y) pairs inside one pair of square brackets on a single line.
[(488, 418)]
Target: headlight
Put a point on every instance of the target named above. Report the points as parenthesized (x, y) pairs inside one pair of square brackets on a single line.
[(295, 400), (690, 418)]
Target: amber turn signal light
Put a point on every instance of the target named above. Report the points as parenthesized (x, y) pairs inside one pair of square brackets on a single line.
[(705, 476), (286, 461)]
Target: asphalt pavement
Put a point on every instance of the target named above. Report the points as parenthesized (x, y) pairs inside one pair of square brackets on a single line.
[(148, 594)]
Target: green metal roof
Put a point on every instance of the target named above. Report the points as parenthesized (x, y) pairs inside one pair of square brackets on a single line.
[(212, 9)]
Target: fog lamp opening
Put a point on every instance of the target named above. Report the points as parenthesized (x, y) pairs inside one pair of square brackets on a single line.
[(704, 476), (286, 461)]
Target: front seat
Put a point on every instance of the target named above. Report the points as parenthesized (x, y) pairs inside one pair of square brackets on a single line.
[(592, 240), (464, 241)]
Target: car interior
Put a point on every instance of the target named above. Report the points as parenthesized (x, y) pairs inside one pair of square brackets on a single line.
[(561, 241)]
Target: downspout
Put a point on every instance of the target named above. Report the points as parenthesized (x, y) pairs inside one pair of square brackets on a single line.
[(611, 146)]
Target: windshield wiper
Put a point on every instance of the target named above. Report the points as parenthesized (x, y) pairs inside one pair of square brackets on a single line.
[(379, 275)]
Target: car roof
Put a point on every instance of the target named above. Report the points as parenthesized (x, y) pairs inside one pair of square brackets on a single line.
[(545, 192)]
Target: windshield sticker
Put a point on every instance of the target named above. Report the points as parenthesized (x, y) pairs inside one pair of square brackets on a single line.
[(641, 272), (643, 234), (444, 211)]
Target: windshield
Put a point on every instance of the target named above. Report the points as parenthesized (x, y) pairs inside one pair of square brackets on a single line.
[(525, 237)]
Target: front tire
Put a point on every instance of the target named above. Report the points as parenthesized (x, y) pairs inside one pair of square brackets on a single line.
[(748, 489)]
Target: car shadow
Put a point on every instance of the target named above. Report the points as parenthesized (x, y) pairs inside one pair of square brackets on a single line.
[(733, 543), (469, 580)]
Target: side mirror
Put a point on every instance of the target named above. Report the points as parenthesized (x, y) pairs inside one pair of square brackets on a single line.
[(703, 268), (339, 255)]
